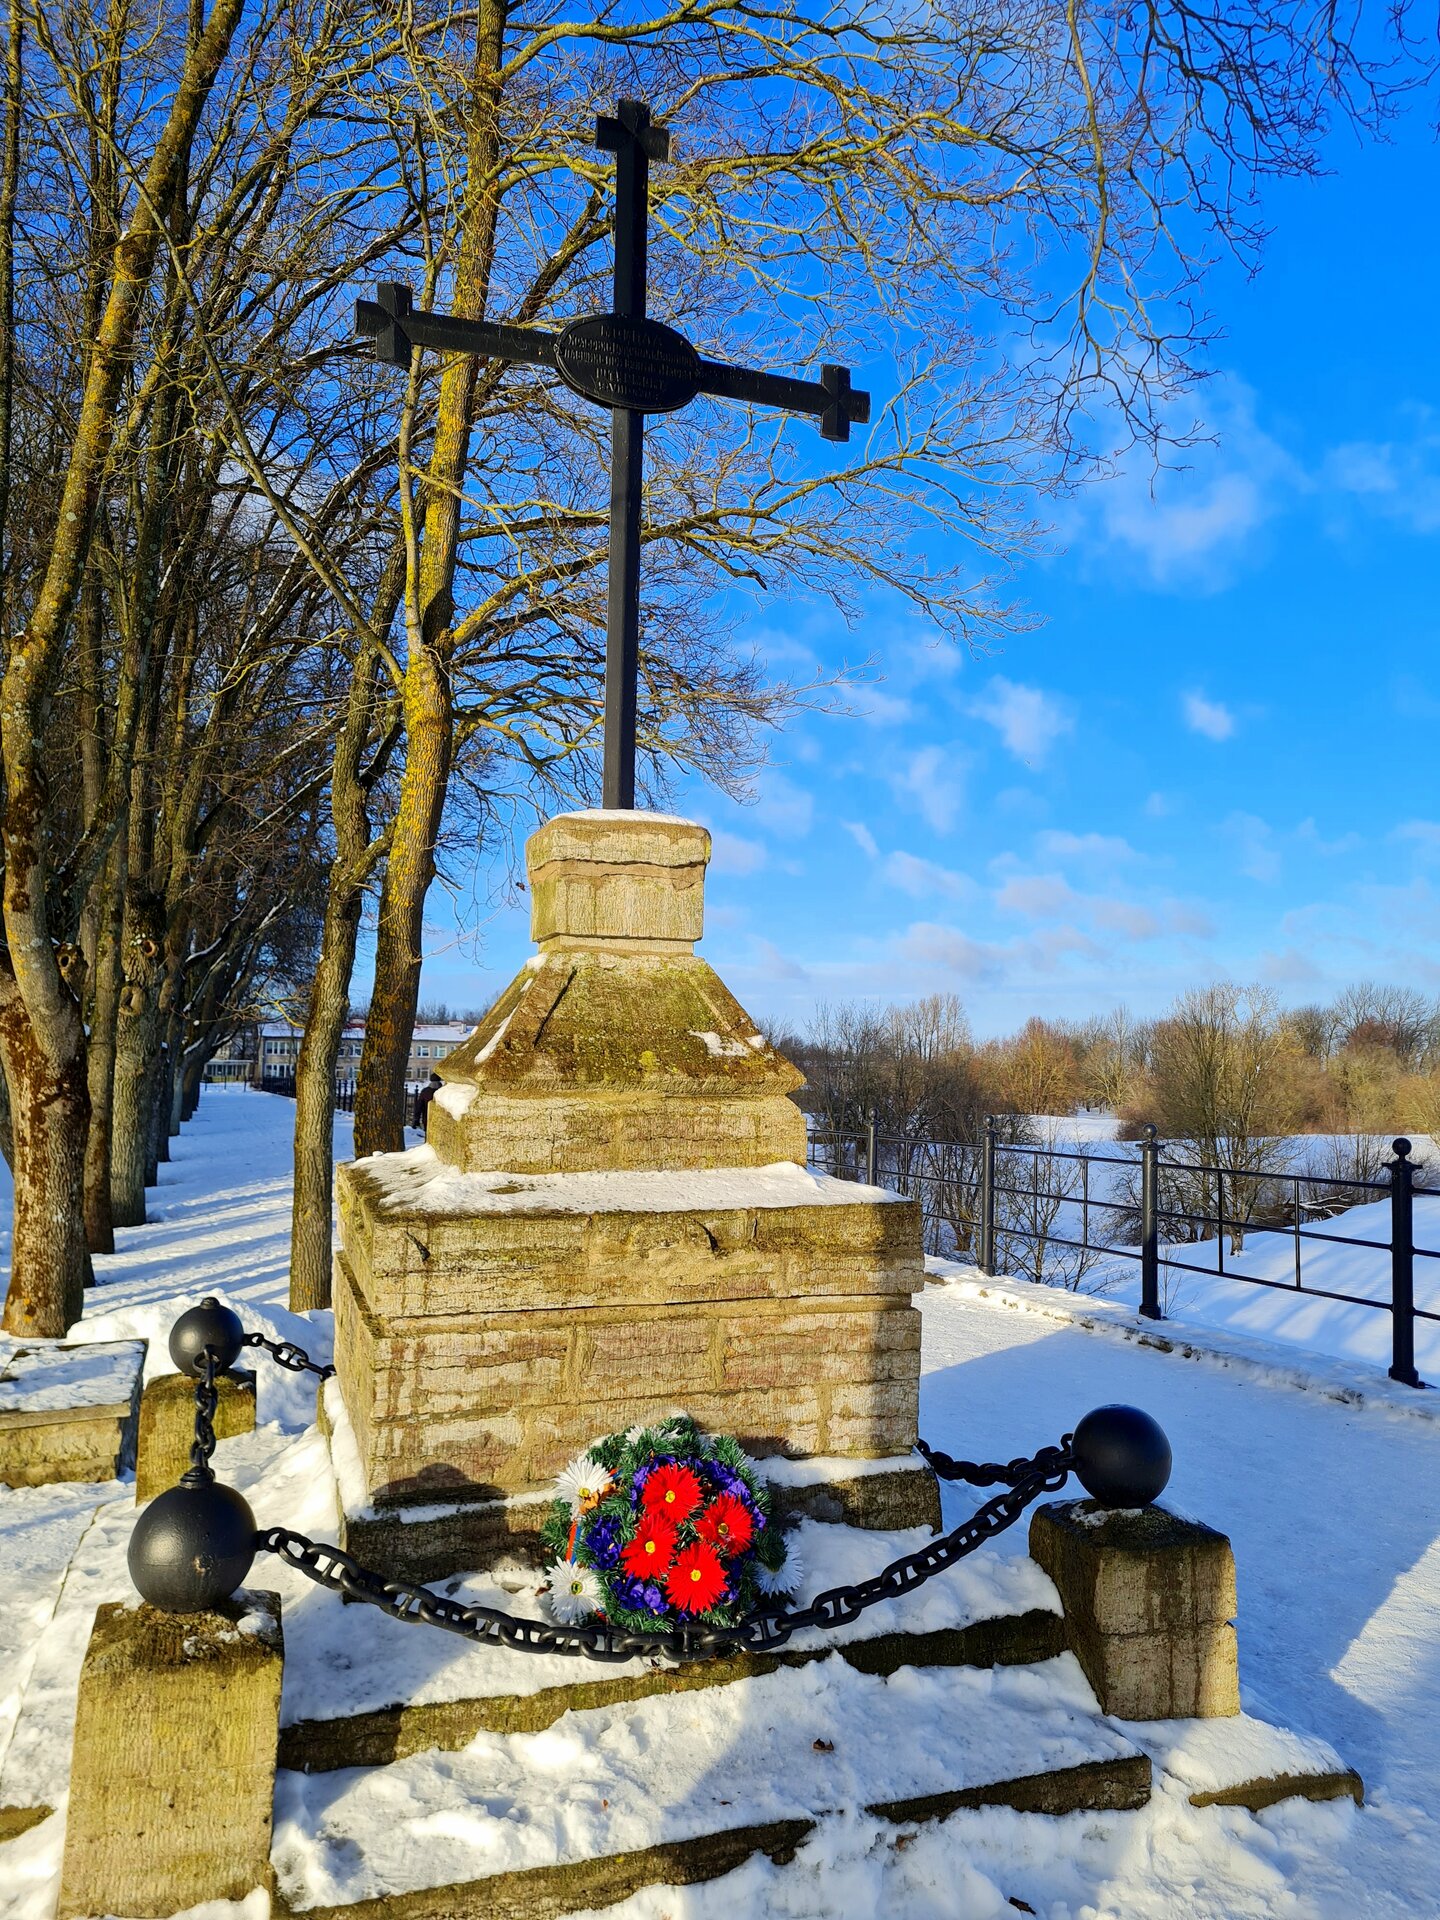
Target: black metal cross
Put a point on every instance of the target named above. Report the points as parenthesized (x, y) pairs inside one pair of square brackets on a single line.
[(632, 365)]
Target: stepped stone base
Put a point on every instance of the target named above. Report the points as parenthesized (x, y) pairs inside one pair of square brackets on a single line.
[(543, 1893), (375, 1739), (69, 1413)]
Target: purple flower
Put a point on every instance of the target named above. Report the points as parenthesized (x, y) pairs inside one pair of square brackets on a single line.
[(640, 1596), (602, 1543)]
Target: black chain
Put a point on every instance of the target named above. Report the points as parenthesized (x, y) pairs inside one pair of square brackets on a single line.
[(198, 1473), (988, 1473), (763, 1632), (287, 1354)]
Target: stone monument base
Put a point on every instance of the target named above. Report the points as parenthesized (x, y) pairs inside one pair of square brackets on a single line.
[(431, 1540), (489, 1327)]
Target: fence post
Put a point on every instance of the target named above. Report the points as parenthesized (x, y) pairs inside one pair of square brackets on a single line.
[(986, 1262), (1150, 1226), (870, 1165), (1402, 1267)]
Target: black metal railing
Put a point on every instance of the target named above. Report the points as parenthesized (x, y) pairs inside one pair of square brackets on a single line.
[(283, 1083), (1011, 1204)]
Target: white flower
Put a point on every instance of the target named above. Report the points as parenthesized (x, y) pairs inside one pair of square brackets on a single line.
[(584, 1485), (787, 1579), (571, 1593)]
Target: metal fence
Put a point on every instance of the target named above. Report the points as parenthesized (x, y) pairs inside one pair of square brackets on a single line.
[(284, 1084), (1003, 1200)]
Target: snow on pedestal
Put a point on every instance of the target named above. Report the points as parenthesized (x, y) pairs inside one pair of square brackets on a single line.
[(612, 1221)]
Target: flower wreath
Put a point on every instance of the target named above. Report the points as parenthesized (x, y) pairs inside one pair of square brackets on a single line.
[(661, 1525)]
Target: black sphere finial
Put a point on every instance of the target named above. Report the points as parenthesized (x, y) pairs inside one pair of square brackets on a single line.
[(192, 1547), (208, 1325), (1122, 1458)]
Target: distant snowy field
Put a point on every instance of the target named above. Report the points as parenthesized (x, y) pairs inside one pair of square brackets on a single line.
[(1334, 1510)]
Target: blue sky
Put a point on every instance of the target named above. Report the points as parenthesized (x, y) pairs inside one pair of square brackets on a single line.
[(1215, 758)]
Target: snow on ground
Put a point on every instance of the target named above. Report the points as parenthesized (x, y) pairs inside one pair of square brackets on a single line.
[(1334, 1510)]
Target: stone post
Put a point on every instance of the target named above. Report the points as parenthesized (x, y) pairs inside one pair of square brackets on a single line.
[(1149, 1604), (173, 1774), (167, 1425)]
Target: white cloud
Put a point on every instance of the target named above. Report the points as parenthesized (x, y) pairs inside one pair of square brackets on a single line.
[(1209, 717), (862, 836), (1156, 806), (1036, 895), (777, 965), (880, 709), (1188, 525), (922, 879), (1104, 849), (944, 946), (731, 853), (787, 810), (1190, 920), (1288, 968), (1027, 719), (932, 780), (1424, 835), (1397, 479), (1255, 847), (1123, 916)]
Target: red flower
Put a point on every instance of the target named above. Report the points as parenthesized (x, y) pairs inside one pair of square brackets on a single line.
[(727, 1524), (697, 1579), (650, 1552), (671, 1490)]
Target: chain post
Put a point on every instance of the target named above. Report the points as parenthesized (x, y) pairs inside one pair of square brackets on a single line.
[(1150, 1226), (870, 1162), (986, 1262), (1402, 1267)]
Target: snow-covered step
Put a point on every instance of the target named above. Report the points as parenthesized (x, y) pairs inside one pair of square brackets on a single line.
[(683, 1787), (363, 1689), (1245, 1762)]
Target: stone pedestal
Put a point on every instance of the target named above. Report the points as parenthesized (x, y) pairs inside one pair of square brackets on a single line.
[(173, 1777), (69, 1413), (611, 1219), (167, 1425), (1149, 1604)]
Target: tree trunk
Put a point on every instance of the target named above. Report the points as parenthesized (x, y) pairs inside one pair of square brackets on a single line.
[(137, 1046), (50, 1112), (192, 1078), (315, 1102), (7, 1131), (157, 1150), (106, 981), (380, 1084), (429, 601)]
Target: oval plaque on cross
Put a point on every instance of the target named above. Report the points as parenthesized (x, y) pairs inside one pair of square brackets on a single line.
[(621, 362)]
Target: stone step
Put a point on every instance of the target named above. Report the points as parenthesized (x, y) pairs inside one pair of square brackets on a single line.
[(362, 1689), (684, 1787), (391, 1733)]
